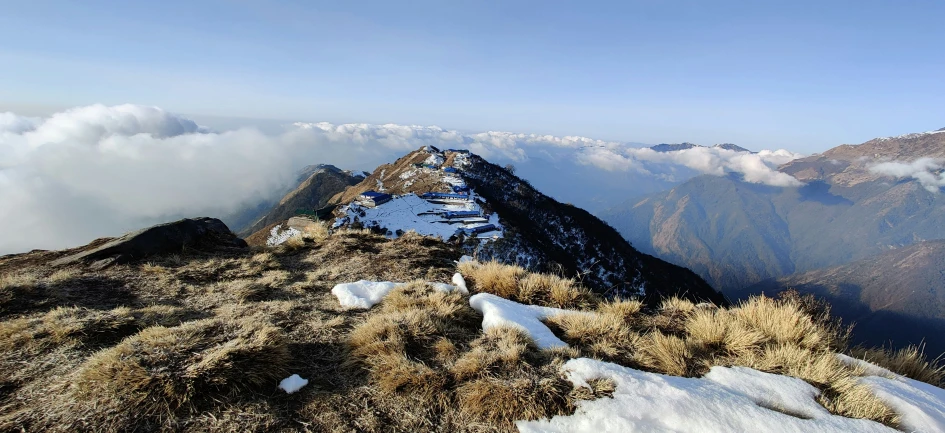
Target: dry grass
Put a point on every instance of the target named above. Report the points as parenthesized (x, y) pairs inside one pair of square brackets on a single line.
[(62, 275), (317, 232), (424, 343), (418, 360), (782, 322), (909, 361), (603, 336), (16, 286), (161, 370), (20, 279), (151, 268), (513, 282), (667, 354)]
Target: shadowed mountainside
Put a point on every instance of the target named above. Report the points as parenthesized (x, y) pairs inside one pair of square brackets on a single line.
[(735, 233), (896, 296), (317, 184)]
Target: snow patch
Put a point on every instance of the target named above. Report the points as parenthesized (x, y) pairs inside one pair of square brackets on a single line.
[(410, 212), (921, 406), (277, 238), (913, 135), (498, 312), (362, 294), (434, 159), (292, 383), (735, 399), (460, 283)]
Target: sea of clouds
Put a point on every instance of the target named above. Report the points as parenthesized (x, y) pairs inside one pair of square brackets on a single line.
[(102, 170)]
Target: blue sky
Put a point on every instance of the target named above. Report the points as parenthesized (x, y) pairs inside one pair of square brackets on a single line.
[(803, 75)]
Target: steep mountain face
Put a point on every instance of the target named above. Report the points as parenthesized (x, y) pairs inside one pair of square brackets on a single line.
[(316, 185), (896, 296), (735, 234), (537, 231)]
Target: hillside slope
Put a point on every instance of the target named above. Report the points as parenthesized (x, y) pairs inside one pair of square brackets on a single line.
[(354, 331)]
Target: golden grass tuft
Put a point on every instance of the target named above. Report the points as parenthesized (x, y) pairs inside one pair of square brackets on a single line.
[(783, 322), (667, 354), (602, 336), (294, 242), (151, 268), (15, 286), (909, 361), (515, 283), (493, 277), (14, 280), (160, 370), (677, 305), (718, 329), (502, 401), (316, 232), (498, 351), (627, 309)]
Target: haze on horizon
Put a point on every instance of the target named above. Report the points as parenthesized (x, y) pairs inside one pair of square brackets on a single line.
[(800, 75)]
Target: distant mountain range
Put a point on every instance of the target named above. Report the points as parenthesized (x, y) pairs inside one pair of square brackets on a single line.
[(683, 146), (856, 201)]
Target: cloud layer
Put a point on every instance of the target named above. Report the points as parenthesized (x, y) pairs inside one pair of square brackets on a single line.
[(929, 172), (100, 171)]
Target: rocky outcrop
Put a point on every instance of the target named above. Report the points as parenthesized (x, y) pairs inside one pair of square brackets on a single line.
[(195, 233)]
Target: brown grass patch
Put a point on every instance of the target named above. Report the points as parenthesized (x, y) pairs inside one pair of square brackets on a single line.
[(160, 370)]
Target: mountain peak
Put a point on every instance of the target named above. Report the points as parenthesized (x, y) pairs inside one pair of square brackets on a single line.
[(495, 215), (730, 146), (665, 147)]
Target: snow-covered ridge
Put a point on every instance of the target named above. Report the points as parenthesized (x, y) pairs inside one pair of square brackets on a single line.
[(454, 211), (912, 135)]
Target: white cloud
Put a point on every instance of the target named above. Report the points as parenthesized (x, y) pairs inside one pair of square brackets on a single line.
[(755, 167), (930, 172), (606, 155), (100, 171)]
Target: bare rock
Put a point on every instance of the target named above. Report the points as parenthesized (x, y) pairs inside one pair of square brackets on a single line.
[(190, 233)]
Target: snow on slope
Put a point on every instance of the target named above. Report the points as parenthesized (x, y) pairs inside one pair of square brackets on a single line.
[(922, 406), (727, 399), (411, 212), (500, 312)]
